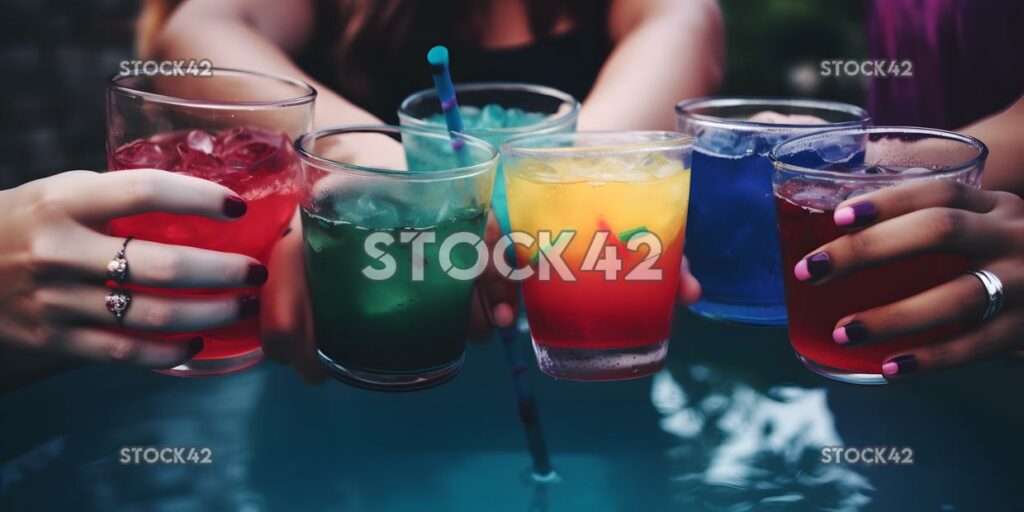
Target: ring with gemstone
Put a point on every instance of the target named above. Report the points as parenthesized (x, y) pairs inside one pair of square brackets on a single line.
[(117, 269), (118, 301)]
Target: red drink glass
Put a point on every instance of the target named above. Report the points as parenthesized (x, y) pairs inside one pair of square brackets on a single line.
[(816, 172), (234, 128)]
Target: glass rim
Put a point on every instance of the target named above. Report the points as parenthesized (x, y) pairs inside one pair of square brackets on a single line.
[(114, 85), (551, 123), (668, 141), (339, 167), (683, 110), (973, 142)]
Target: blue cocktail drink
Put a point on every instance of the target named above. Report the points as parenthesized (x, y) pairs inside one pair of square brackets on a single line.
[(731, 239)]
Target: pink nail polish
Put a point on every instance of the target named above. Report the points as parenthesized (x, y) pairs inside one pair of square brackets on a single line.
[(840, 337), (844, 216), (890, 369), (801, 272)]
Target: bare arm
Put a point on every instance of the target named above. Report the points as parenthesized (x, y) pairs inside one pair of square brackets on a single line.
[(253, 34), (1001, 132), (665, 51)]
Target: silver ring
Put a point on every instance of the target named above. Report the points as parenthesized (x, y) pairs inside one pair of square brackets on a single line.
[(117, 269), (118, 301), (994, 290)]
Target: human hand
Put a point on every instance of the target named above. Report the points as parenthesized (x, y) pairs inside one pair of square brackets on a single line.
[(985, 227), (54, 257)]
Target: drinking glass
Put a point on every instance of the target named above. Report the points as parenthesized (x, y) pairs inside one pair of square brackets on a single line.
[(391, 254), (813, 174), (496, 112), (599, 219), (733, 249), (233, 128)]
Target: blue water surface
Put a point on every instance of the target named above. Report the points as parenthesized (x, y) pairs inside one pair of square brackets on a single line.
[(733, 423)]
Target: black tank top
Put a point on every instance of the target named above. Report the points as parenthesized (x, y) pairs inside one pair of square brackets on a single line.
[(569, 62)]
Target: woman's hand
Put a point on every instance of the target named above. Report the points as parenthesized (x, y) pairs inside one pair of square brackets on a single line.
[(54, 256), (986, 228)]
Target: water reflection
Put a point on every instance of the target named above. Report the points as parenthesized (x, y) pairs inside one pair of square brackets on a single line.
[(747, 437)]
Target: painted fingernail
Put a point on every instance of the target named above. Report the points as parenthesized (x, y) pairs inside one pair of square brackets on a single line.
[(852, 332), (899, 365), (195, 346), (256, 275), (234, 207), (814, 266), (249, 307), (503, 315), (856, 215)]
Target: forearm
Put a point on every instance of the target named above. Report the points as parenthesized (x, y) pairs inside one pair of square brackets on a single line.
[(663, 60), (231, 42), (1004, 169)]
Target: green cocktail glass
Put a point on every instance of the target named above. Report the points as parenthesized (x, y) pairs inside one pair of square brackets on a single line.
[(390, 300)]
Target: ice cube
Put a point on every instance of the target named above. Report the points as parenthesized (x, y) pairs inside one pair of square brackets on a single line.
[(254, 149), (198, 162), (812, 194), (516, 117), (535, 170), (146, 154), (658, 166), (492, 116), (371, 212), (198, 140), (316, 235), (725, 143)]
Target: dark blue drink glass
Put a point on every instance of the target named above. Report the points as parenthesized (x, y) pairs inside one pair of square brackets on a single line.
[(731, 238)]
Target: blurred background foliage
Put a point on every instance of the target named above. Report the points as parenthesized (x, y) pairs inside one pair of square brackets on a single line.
[(775, 47), (56, 55)]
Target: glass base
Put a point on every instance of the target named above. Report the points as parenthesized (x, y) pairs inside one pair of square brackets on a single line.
[(770, 316), (391, 381), (866, 379), (601, 364), (216, 367)]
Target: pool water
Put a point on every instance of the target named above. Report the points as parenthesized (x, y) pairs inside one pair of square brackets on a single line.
[(733, 423)]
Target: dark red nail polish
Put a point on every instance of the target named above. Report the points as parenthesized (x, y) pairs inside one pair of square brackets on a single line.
[(195, 346), (234, 207), (864, 213), (818, 265), (856, 332), (256, 275), (899, 365), (249, 306)]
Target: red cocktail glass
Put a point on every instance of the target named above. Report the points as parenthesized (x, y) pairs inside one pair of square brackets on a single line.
[(813, 174), (234, 128)]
